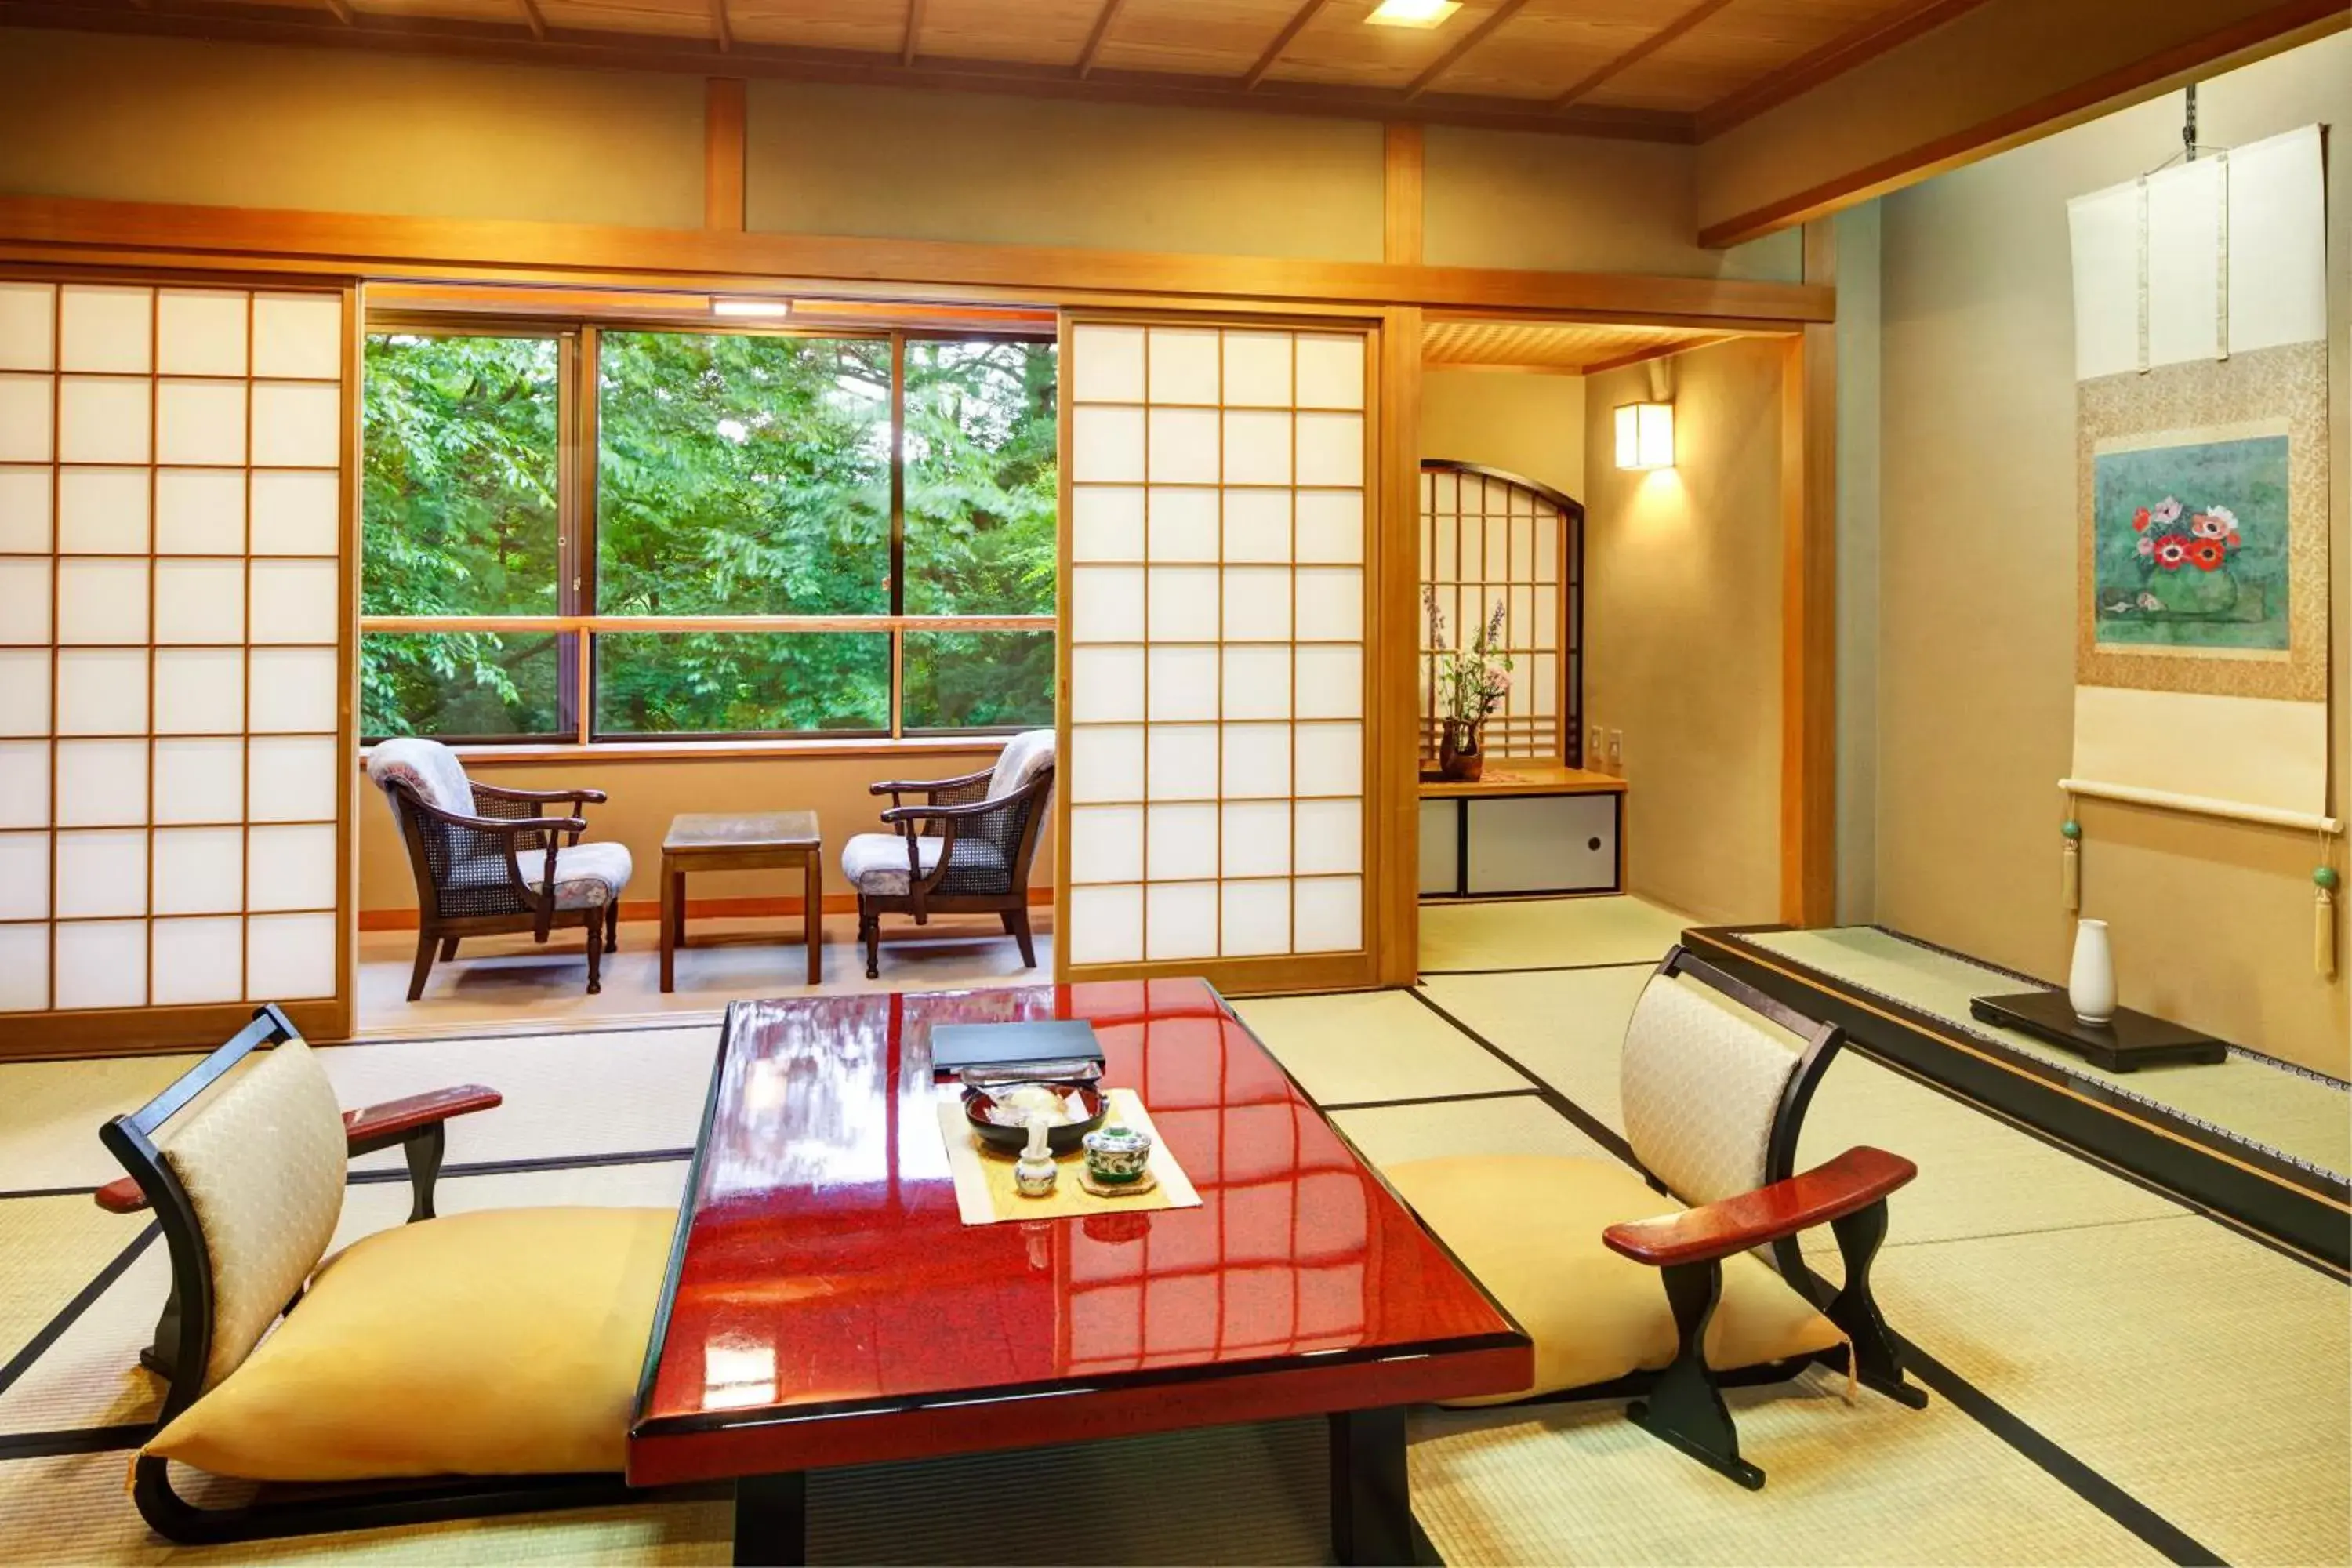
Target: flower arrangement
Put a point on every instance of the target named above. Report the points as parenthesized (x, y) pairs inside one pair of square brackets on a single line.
[(1470, 683)]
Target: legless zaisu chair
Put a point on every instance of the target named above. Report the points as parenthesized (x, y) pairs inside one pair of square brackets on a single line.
[(1577, 1250), (482, 1363)]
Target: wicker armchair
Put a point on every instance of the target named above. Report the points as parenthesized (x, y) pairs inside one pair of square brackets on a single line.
[(489, 861), (966, 850)]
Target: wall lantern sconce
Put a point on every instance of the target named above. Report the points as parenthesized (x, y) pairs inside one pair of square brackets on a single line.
[(1645, 435)]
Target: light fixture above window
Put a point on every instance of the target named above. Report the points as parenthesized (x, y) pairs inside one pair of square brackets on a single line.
[(1645, 435), (751, 308), (1412, 13)]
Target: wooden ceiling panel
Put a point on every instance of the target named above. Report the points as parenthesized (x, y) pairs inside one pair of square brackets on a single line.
[(868, 27), (506, 13), (1338, 45), (1552, 44), (1194, 38), (1660, 69), (1562, 347), (650, 19), (1031, 32), (1733, 48)]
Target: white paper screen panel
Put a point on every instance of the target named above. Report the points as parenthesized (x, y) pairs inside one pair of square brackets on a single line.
[(1488, 541), (1216, 618), (172, 599)]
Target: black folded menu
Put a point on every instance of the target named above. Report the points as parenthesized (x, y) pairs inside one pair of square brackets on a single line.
[(955, 1047)]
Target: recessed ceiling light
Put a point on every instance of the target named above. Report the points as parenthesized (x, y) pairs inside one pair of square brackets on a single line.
[(751, 306), (1412, 13)]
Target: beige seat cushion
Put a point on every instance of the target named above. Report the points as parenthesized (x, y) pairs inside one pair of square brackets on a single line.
[(502, 1342), (1529, 1227)]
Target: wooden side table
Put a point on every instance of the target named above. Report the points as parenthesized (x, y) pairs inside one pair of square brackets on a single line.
[(756, 841)]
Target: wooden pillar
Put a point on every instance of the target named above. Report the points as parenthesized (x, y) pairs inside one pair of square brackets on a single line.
[(1393, 879), (1809, 607), (722, 154), (1401, 194)]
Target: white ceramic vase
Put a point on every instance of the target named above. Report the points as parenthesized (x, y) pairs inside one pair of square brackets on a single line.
[(2091, 983)]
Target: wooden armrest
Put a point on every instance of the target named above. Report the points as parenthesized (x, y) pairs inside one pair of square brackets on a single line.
[(590, 797), (395, 1119), (1853, 1181), (509, 825), (929, 786), (366, 1129), (897, 814)]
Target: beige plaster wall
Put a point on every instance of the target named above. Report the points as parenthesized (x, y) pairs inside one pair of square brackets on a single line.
[(896, 164), (647, 794), (1500, 199), (1682, 603), (2212, 920), (1528, 425), (162, 119)]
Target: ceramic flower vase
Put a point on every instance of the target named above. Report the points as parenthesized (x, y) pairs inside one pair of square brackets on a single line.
[(2091, 983), (1459, 753)]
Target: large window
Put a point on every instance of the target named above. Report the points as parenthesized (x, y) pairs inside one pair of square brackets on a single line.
[(575, 533)]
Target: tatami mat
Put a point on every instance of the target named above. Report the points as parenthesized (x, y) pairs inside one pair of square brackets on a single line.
[(1977, 1175), (2199, 1370), (55, 1247), (614, 1092), (2285, 1110), (1523, 1124), (1565, 1027), (1371, 1046), (1529, 933), (1873, 1483), (49, 1133), (91, 1375)]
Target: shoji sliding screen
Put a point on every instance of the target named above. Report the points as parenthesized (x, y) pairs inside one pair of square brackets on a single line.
[(175, 764), (1213, 618)]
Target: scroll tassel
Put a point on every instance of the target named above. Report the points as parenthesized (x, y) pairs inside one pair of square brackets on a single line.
[(2323, 924), (2070, 870)]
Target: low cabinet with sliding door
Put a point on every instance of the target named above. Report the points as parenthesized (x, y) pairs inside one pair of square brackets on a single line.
[(1532, 830)]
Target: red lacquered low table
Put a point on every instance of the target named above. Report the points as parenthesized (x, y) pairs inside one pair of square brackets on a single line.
[(824, 1305)]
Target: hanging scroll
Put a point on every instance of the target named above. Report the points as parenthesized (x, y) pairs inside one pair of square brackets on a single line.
[(2201, 319)]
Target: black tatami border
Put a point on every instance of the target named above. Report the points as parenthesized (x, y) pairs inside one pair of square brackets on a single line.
[(1540, 968), (37, 1347), (2159, 1533)]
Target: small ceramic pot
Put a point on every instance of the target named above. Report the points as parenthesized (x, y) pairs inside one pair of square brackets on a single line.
[(1116, 1156)]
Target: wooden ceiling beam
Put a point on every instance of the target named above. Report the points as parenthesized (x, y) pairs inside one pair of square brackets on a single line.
[(721, 30), (1889, 29), (912, 46), (1462, 45), (1273, 55), (534, 18), (1643, 50), (1101, 30), (299, 23)]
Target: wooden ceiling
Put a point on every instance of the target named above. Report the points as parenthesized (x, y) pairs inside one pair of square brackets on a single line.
[(1663, 69), (1569, 348)]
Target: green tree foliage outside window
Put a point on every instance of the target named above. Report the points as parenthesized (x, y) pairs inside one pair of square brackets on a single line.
[(460, 517), (736, 474)]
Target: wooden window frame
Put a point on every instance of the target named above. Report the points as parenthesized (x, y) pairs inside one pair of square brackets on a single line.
[(577, 626)]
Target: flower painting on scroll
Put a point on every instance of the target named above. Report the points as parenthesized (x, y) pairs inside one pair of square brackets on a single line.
[(2189, 531)]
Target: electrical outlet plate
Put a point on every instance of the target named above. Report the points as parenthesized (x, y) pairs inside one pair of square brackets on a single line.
[(1616, 748)]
